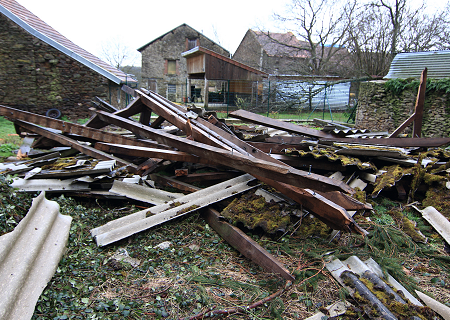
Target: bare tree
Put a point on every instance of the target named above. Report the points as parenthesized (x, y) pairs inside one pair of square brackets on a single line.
[(117, 54), (322, 28), (382, 28), (369, 42)]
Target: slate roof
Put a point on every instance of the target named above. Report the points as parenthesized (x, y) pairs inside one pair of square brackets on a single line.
[(38, 28), (280, 44)]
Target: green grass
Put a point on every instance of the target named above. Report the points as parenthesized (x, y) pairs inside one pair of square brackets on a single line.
[(9, 140)]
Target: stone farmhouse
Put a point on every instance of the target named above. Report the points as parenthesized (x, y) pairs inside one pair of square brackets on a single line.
[(41, 70), (282, 54), (163, 67)]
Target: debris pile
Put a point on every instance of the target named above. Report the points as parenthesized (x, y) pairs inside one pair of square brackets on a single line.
[(262, 177)]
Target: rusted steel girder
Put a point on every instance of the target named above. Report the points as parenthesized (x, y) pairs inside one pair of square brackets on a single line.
[(231, 158), (245, 245), (75, 144)]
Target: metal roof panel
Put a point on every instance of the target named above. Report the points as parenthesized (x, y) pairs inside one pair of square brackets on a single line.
[(411, 65)]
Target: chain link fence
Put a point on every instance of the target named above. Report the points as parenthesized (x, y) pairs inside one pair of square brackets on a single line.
[(287, 98)]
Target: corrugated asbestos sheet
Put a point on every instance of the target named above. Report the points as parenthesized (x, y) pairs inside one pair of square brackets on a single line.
[(29, 256), (411, 65)]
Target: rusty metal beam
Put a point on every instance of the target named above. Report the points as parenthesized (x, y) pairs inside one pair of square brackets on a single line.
[(277, 124), (231, 158), (75, 144), (245, 245)]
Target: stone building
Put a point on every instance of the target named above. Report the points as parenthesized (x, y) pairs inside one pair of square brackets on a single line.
[(282, 54), (164, 68), (41, 70)]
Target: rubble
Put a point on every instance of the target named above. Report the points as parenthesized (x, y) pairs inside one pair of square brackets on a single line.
[(313, 173)]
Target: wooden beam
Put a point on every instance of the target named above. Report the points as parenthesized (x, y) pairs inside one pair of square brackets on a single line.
[(136, 151), (231, 158), (420, 101), (245, 245), (280, 125), (68, 127), (417, 116), (75, 144)]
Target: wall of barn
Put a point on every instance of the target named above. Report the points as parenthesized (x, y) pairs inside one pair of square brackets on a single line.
[(36, 77), (169, 47), (381, 110)]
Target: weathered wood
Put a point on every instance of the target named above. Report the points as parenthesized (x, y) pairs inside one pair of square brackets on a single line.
[(393, 142), (232, 159), (75, 145), (417, 116), (106, 106), (277, 124), (173, 183), (245, 245), (137, 151), (132, 109), (209, 176), (420, 101), (403, 126), (68, 127)]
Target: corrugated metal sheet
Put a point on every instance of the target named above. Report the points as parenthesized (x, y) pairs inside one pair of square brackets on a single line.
[(126, 226), (411, 65), (143, 193), (29, 256)]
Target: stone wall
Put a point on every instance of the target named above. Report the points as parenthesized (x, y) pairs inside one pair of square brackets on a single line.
[(381, 110), (169, 47), (36, 77)]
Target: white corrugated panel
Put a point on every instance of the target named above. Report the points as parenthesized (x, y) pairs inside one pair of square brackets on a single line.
[(29, 256), (411, 65)]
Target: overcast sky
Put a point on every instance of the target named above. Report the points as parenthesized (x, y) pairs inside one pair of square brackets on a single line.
[(93, 23)]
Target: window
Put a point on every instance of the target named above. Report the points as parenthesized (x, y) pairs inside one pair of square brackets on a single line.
[(171, 88), (171, 66), (192, 43)]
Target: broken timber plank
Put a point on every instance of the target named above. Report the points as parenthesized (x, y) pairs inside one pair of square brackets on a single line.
[(74, 144), (334, 212), (150, 153), (245, 245), (277, 124), (68, 127), (173, 183), (132, 109), (232, 159), (392, 142), (417, 116), (207, 176)]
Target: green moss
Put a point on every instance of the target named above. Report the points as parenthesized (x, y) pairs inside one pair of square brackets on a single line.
[(190, 208), (253, 211), (389, 178)]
